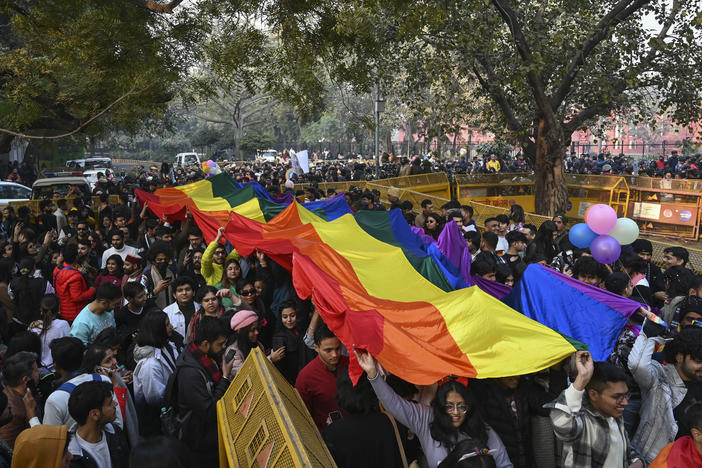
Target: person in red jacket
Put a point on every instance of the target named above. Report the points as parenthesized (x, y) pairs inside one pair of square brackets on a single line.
[(70, 284)]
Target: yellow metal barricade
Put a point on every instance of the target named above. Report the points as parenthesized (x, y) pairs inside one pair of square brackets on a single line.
[(262, 421)]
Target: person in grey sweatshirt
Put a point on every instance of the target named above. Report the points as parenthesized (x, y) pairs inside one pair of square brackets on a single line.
[(451, 418)]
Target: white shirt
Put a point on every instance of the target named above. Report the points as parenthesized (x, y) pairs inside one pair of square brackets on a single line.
[(58, 329), (100, 451), (123, 252), (502, 244), (177, 317), (616, 446)]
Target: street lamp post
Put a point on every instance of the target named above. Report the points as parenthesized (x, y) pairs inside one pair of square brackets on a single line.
[(379, 107)]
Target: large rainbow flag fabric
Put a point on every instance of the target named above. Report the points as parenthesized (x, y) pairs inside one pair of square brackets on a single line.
[(372, 292)]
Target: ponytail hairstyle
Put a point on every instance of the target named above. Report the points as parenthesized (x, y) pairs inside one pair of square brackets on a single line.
[(49, 310)]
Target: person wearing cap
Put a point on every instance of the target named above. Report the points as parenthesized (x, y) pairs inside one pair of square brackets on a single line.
[(70, 229), (42, 446), (644, 249), (393, 194), (245, 325)]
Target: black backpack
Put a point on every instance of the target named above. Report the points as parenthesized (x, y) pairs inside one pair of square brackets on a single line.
[(171, 420)]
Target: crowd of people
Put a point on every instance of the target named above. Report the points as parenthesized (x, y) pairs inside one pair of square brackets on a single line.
[(120, 332)]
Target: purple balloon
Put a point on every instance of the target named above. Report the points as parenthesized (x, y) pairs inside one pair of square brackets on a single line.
[(605, 249), (601, 218)]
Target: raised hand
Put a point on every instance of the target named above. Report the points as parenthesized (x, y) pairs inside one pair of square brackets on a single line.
[(367, 363), (585, 367), (220, 233)]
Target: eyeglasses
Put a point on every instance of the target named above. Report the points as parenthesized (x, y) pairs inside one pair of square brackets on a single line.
[(248, 292), (619, 399), (220, 253), (81, 229), (451, 408)]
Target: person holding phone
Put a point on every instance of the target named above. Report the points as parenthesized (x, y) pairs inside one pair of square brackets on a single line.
[(290, 333), (245, 325)]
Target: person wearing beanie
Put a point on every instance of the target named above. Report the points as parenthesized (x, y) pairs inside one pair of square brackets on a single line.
[(245, 325), (42, 446), (654, 275)]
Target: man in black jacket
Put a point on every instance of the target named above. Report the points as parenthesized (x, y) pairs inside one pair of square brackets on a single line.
[(201, 382)]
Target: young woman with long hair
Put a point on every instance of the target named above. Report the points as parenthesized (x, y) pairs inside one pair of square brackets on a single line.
[(112, 273), (452, 417), (231, 273), (245, 325), (155, 357), (49, 327)]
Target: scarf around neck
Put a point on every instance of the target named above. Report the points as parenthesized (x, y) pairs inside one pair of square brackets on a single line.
[(207, 362)]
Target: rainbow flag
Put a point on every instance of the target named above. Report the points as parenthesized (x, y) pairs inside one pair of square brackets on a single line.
[(371, 296), (219, 195), (375, 283), (587, 313)]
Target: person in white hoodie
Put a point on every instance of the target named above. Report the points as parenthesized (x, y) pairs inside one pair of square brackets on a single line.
[(155, 357)]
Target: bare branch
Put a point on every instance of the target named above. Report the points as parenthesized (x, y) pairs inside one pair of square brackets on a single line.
[(497, 94), (620, 12), (208, 119), (79, 128), (535, 80)]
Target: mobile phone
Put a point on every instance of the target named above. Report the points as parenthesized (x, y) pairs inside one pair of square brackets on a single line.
[(335, 415), (230, 355), (278, 342)]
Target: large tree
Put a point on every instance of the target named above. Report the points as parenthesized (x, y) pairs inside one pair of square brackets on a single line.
[(543, 69)]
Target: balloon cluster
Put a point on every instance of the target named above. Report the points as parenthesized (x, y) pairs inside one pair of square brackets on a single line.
[(604, 233), (210, 168)]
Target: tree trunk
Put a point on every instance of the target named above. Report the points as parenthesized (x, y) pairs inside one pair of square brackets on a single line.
[(550, 190)]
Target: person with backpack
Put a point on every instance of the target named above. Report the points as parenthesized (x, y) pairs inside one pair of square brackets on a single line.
[(202, 377), (156, 357), (56, 408), (26, 291)]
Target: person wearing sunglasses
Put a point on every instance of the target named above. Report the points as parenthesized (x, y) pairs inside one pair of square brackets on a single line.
[(452, 417)]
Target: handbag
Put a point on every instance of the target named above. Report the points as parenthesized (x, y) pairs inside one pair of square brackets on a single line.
[(400, 447)]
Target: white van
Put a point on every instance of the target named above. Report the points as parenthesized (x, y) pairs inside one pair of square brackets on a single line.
[(183, 159)]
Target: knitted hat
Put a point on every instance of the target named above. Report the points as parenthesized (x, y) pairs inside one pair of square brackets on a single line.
[(243, 318), (642, 245)]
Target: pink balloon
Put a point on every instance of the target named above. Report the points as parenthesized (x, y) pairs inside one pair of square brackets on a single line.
[(601, 218), (210, 163)]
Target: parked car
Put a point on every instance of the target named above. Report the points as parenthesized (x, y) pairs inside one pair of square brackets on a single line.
[(10, 191), (183, 159), (60, 187)]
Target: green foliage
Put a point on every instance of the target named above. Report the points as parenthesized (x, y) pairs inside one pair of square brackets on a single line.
[(255, 140), (497, 147)]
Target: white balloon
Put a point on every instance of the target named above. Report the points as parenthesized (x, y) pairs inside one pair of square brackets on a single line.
[(625, 231)]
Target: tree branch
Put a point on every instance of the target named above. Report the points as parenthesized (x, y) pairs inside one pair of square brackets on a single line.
[(158, 7), (535, 80), (497, 94), (76, 130), (208, 119), (620, 12)]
